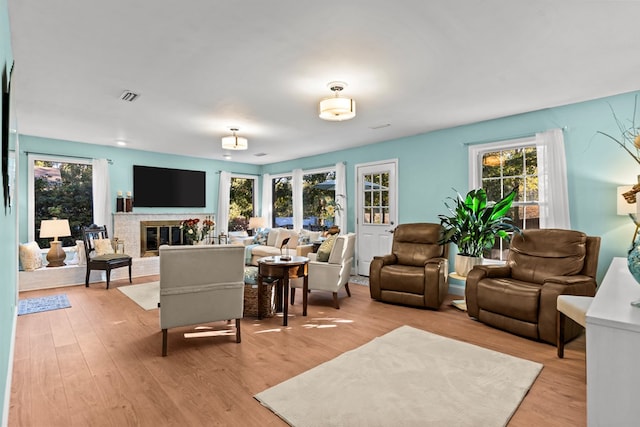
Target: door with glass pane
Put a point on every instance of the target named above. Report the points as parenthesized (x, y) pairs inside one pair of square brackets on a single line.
[(376, 211)]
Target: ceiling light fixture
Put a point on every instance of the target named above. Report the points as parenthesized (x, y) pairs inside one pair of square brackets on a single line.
[(234, 142), (336, 108)]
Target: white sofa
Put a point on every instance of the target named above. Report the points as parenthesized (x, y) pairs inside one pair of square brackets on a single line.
[(200, 284), (273, 243)]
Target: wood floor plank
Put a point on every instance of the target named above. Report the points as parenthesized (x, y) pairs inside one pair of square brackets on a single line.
[(99, 363)]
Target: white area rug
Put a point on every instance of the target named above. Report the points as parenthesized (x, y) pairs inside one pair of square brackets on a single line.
[(146, 295), (407, 377)]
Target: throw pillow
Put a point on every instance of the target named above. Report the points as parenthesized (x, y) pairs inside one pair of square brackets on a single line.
[(273, 236), (261, 237), (103, 246), (30, 256), (283, 234), (82, 258), (325, 248)]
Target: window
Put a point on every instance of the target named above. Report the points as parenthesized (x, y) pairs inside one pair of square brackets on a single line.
[(61, 188), (376, 198), (502, 167), (282, 192), (242, 202), (318, 195)]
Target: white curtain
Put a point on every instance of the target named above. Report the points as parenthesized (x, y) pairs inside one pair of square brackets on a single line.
[(341, 196), (296, 189), (222, 221), (102, 213), (552, 180), (267, 200)]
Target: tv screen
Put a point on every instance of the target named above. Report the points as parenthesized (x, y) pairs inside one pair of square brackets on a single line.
[(168, 188)]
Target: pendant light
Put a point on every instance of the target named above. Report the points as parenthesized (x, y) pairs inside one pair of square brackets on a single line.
[(234, 142), (337, 108)]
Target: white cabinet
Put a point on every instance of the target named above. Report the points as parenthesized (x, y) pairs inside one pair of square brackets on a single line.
[(613, 350)]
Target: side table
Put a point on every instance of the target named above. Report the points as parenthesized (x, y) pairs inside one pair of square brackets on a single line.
[(275, 268)]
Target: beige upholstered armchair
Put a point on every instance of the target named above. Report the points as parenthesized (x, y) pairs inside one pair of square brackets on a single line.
[(416, 272), (520, 297), (334, 274), (200, 284)]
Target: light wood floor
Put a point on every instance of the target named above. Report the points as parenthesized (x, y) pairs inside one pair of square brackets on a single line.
[(98, 363)]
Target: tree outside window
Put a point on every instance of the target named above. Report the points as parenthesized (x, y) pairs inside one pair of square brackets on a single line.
[(318, 200), (62, 190), (282, 191), (241, 206)]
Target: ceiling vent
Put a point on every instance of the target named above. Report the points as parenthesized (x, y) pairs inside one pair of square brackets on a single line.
[(260, 154), (129, 96)]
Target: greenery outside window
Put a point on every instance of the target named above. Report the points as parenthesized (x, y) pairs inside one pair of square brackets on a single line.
[(318, 193), (282, 193), (60, 188), (242, 202)]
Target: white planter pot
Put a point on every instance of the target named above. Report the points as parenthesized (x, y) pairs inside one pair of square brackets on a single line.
[(464, 264)]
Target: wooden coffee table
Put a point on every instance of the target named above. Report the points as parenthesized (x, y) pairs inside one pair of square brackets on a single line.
[(274, 267)]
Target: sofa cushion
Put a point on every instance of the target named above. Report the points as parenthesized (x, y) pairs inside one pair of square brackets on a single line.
[(283, 234), (30, 256), (511, 298), (273, 236), (324, 251), (261, 236)]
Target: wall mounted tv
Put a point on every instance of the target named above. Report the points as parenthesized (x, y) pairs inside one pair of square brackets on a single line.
[(168, 188)]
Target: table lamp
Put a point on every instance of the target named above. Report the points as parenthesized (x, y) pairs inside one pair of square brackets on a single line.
[(55, 228), (256, 223)]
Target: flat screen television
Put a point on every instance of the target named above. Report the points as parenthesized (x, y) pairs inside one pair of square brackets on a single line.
[(168, 188)]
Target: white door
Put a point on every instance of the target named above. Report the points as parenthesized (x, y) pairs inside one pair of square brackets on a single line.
[(376, 211)]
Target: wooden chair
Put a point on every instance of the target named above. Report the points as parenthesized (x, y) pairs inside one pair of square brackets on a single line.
[(97, 236)]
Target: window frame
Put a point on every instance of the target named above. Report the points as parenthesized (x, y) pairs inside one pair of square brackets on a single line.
[(31, 202)]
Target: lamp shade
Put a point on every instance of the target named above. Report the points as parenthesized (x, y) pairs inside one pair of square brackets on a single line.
[(256, 222), (623, 207), (337, 109), (234, 142), (54, 228)]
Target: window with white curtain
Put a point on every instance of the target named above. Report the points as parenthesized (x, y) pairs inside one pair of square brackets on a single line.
[(318, 199), (59, 187), (537, 167), (242, 201)]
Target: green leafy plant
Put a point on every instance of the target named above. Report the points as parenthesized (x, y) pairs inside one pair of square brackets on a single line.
[(475, 224)]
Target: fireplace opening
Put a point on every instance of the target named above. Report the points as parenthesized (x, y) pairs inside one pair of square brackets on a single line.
[(154, 234)]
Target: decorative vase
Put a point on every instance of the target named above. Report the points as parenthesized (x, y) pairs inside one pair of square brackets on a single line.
[(633, 262), (464, 264)]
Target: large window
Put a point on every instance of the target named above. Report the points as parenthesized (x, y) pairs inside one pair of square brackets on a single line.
[(318, 200), (242, 199), (60, 188), (503, 167), (282, 192)]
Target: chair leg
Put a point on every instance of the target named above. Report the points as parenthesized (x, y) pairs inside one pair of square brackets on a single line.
[(335, 300), (346, 287), (108, 277), (130, 273), (164, 342), (293, 295), (86, 278), (560, 322), (238, 338)]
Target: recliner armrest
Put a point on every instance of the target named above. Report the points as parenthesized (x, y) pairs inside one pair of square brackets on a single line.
[(569, 280), (387, 259), (494, 270)]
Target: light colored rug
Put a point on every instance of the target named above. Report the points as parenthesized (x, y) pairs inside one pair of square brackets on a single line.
[(407, 377), (146, 295), (359, 280)]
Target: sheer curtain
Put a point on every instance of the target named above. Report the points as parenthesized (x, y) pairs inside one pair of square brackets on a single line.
[(552, 180), (224, 193), (341, 196), (296, 188), (101, 194), (267, 200)]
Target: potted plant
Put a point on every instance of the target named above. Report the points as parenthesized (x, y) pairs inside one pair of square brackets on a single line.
[(474, 225)]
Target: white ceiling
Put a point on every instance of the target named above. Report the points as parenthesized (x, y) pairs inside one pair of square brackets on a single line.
[(204, 66)]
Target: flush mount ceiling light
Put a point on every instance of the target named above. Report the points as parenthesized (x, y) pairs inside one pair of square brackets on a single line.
[(234, 142), (337, 108)]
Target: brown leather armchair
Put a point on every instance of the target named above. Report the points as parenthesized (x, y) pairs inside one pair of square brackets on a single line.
[(520, 296), (416, 272)]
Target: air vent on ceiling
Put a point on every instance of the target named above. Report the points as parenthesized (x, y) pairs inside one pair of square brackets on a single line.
[(260, 154), (129, 96)]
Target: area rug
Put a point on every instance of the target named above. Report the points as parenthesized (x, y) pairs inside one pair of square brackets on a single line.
[(359, 280), (40, 304), (146, 295), (407, 377)]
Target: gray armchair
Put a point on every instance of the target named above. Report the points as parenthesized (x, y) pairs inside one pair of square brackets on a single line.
[(200, 284)]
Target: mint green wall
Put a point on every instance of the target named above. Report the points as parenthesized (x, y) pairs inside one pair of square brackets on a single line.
[(9, 258), (431, 164), (121, 170)]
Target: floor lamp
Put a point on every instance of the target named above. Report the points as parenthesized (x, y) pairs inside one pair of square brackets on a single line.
[(55, 228)]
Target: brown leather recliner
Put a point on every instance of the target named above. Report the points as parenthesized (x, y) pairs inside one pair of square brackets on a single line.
[(520, 297), (416, 272)]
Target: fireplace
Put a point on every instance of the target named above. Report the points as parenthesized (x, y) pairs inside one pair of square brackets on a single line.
[(154, 234)]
